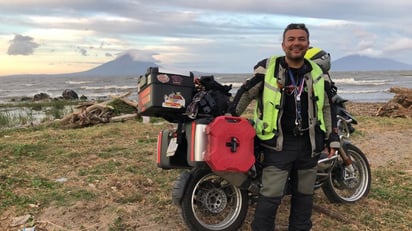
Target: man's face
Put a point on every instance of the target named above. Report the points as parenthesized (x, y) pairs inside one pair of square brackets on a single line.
[(295, 43)]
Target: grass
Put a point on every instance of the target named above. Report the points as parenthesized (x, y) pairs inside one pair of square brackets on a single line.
[(26, 113), (107, 176), (389, 180), (9, 119), (33, 158), (18, 114), (38, 105)]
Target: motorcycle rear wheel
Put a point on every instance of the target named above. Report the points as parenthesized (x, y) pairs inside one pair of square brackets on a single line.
[(212, 203), (342, 186)]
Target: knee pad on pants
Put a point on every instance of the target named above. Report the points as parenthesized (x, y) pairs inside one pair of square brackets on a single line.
[(306, 180), (273, 181)]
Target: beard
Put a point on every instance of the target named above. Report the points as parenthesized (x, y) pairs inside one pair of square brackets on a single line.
[(296, 53), (296, 58)]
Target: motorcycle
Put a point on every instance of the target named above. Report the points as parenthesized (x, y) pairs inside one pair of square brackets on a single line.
[(209, 201)]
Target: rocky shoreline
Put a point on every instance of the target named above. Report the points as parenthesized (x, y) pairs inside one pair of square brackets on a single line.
[(400, 106)]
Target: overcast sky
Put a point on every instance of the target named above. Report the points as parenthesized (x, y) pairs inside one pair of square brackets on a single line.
[(63, 36)]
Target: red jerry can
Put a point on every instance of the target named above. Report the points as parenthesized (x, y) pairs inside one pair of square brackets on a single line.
[(230, 144)]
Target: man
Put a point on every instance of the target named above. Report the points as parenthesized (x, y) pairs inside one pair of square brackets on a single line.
[(293, 122)]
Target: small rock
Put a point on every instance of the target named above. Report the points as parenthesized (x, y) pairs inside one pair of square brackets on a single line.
[(20, 220), (69, 95), (41, 96), (61, 180)]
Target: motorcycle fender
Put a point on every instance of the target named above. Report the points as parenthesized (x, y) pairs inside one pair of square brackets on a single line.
[(179, 187)]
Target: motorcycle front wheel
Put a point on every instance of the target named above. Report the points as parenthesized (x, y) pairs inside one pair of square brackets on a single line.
[(345, 185), (212, 203)]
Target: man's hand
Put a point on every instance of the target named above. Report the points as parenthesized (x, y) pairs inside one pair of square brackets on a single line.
[(331, 151), (333, 144)]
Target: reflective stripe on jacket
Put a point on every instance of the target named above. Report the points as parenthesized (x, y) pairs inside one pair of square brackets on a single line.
[(267, 121)]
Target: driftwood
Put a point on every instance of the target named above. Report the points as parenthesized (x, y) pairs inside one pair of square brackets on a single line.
[(92, 113), (123, 118), (399, 106)]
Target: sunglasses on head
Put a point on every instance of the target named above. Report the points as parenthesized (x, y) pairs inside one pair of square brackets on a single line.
[(295, 26)]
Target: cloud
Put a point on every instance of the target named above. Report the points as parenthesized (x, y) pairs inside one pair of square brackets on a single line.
[(82, 51), (141, 55), (22, 45), (399, 45), (210, 36)]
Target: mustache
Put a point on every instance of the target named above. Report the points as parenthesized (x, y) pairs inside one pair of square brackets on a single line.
[(301, 48)]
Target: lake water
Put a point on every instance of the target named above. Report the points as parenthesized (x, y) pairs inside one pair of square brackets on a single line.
[(354, 86)]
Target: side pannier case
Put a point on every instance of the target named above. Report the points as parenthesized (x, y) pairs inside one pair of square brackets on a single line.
[(196, 141), (170, 154)]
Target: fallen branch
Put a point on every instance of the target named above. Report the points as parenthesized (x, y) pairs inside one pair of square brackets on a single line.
[(399, 106), (123, 118), (92, 113), (330, 213), (337, 216), (45, 225), (124, 99)]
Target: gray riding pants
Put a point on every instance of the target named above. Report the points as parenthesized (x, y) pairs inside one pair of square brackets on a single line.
[(292, 170)]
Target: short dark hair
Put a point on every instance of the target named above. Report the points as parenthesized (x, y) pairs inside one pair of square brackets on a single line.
[(296, 26)]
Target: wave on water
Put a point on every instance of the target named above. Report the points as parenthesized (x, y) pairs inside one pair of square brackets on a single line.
[(76, 82), (353, 81), (234, 84), (364, 91), (108, 87)]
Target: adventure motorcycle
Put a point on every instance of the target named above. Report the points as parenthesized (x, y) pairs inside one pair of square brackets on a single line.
[(209, 201)]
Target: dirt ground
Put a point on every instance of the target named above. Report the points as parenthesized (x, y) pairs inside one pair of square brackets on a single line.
[(383, 145)]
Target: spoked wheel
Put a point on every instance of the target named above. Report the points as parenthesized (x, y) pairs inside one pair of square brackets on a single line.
[(212, 203), (349, 184)]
